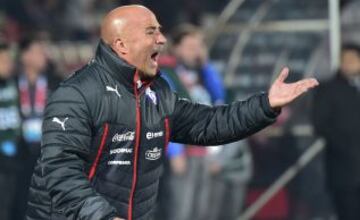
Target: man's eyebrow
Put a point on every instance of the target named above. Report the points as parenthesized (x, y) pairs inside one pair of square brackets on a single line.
[(154, 27)]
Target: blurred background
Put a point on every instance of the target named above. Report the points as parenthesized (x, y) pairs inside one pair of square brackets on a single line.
[(305, 166)]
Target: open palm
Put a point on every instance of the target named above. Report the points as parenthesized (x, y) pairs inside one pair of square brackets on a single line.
[(281, 93)]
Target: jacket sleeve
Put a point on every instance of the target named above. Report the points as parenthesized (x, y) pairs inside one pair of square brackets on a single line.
[(65, 149), (204, 125)]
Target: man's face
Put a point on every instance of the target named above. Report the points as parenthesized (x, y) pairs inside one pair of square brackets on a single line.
[(191, 50), (350, 63), (35, 57), (145, 44), (6, 64)]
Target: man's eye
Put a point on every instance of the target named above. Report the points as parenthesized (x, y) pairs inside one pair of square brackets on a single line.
[(150, 32)]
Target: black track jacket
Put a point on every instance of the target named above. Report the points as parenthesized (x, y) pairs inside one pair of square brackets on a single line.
[(105, 135)]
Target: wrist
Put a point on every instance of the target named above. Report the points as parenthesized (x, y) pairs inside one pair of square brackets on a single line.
[(268, 109)]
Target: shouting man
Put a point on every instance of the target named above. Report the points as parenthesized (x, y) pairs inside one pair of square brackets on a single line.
[(106, 128)]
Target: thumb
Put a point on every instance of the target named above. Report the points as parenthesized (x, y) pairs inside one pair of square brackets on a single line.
[(283, 74)]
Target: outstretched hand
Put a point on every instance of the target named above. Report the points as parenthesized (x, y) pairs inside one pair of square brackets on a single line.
[(281, 93)]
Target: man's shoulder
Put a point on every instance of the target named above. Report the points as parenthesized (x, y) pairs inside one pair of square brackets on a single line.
[(327, 90), (330, 84), (86, 74), (84, 81)]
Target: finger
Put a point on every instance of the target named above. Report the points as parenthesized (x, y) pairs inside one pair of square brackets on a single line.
[(299, 90), (315, 82), (283, 74), (310, 83), (304, 85)]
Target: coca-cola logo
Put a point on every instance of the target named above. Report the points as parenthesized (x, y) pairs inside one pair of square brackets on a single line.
[(128, 136)]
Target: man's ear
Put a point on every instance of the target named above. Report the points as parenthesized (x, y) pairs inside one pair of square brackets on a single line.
[(120, 47)]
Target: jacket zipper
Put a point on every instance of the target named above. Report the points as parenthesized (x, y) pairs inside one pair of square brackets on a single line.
[(137, 144), (167, 134)]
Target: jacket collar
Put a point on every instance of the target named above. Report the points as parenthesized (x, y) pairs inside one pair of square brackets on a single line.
[(122, 71), (115, 66)]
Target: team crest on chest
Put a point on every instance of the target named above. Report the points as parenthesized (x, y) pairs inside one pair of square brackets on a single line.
[(151, 94)]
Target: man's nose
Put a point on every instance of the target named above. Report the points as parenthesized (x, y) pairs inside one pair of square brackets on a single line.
[(161, 39)]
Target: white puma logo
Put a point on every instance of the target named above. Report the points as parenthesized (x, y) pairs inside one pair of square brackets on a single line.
[(62, 123), (111, 89)]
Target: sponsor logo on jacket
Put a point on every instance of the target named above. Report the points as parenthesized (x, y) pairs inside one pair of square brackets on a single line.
[(151, 135), (121, 151), (128, 136), (153, 154), (119, 162)]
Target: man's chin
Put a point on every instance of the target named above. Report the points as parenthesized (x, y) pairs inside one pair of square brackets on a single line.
[(147, 74)]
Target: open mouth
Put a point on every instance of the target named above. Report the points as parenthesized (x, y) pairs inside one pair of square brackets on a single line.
[(155, 57)]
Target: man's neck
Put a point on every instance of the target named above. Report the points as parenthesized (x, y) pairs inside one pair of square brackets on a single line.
[(32, 75)]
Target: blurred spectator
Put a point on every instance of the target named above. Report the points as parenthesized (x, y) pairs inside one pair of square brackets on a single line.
[(35, 81), (193, 68), (192, 77), (10, 132), (231, 170), (336, 117), (202, 180)]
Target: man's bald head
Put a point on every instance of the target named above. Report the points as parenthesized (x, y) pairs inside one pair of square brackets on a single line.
[(133, 32), (117, 22)]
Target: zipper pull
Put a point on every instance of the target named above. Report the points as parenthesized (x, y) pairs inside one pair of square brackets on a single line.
[(139, 84)]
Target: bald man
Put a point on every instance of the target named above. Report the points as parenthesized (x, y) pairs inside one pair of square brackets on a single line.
[(106, 128)]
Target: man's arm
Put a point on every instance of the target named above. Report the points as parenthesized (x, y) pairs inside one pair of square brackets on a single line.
[(64, 152), (205, 125)]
